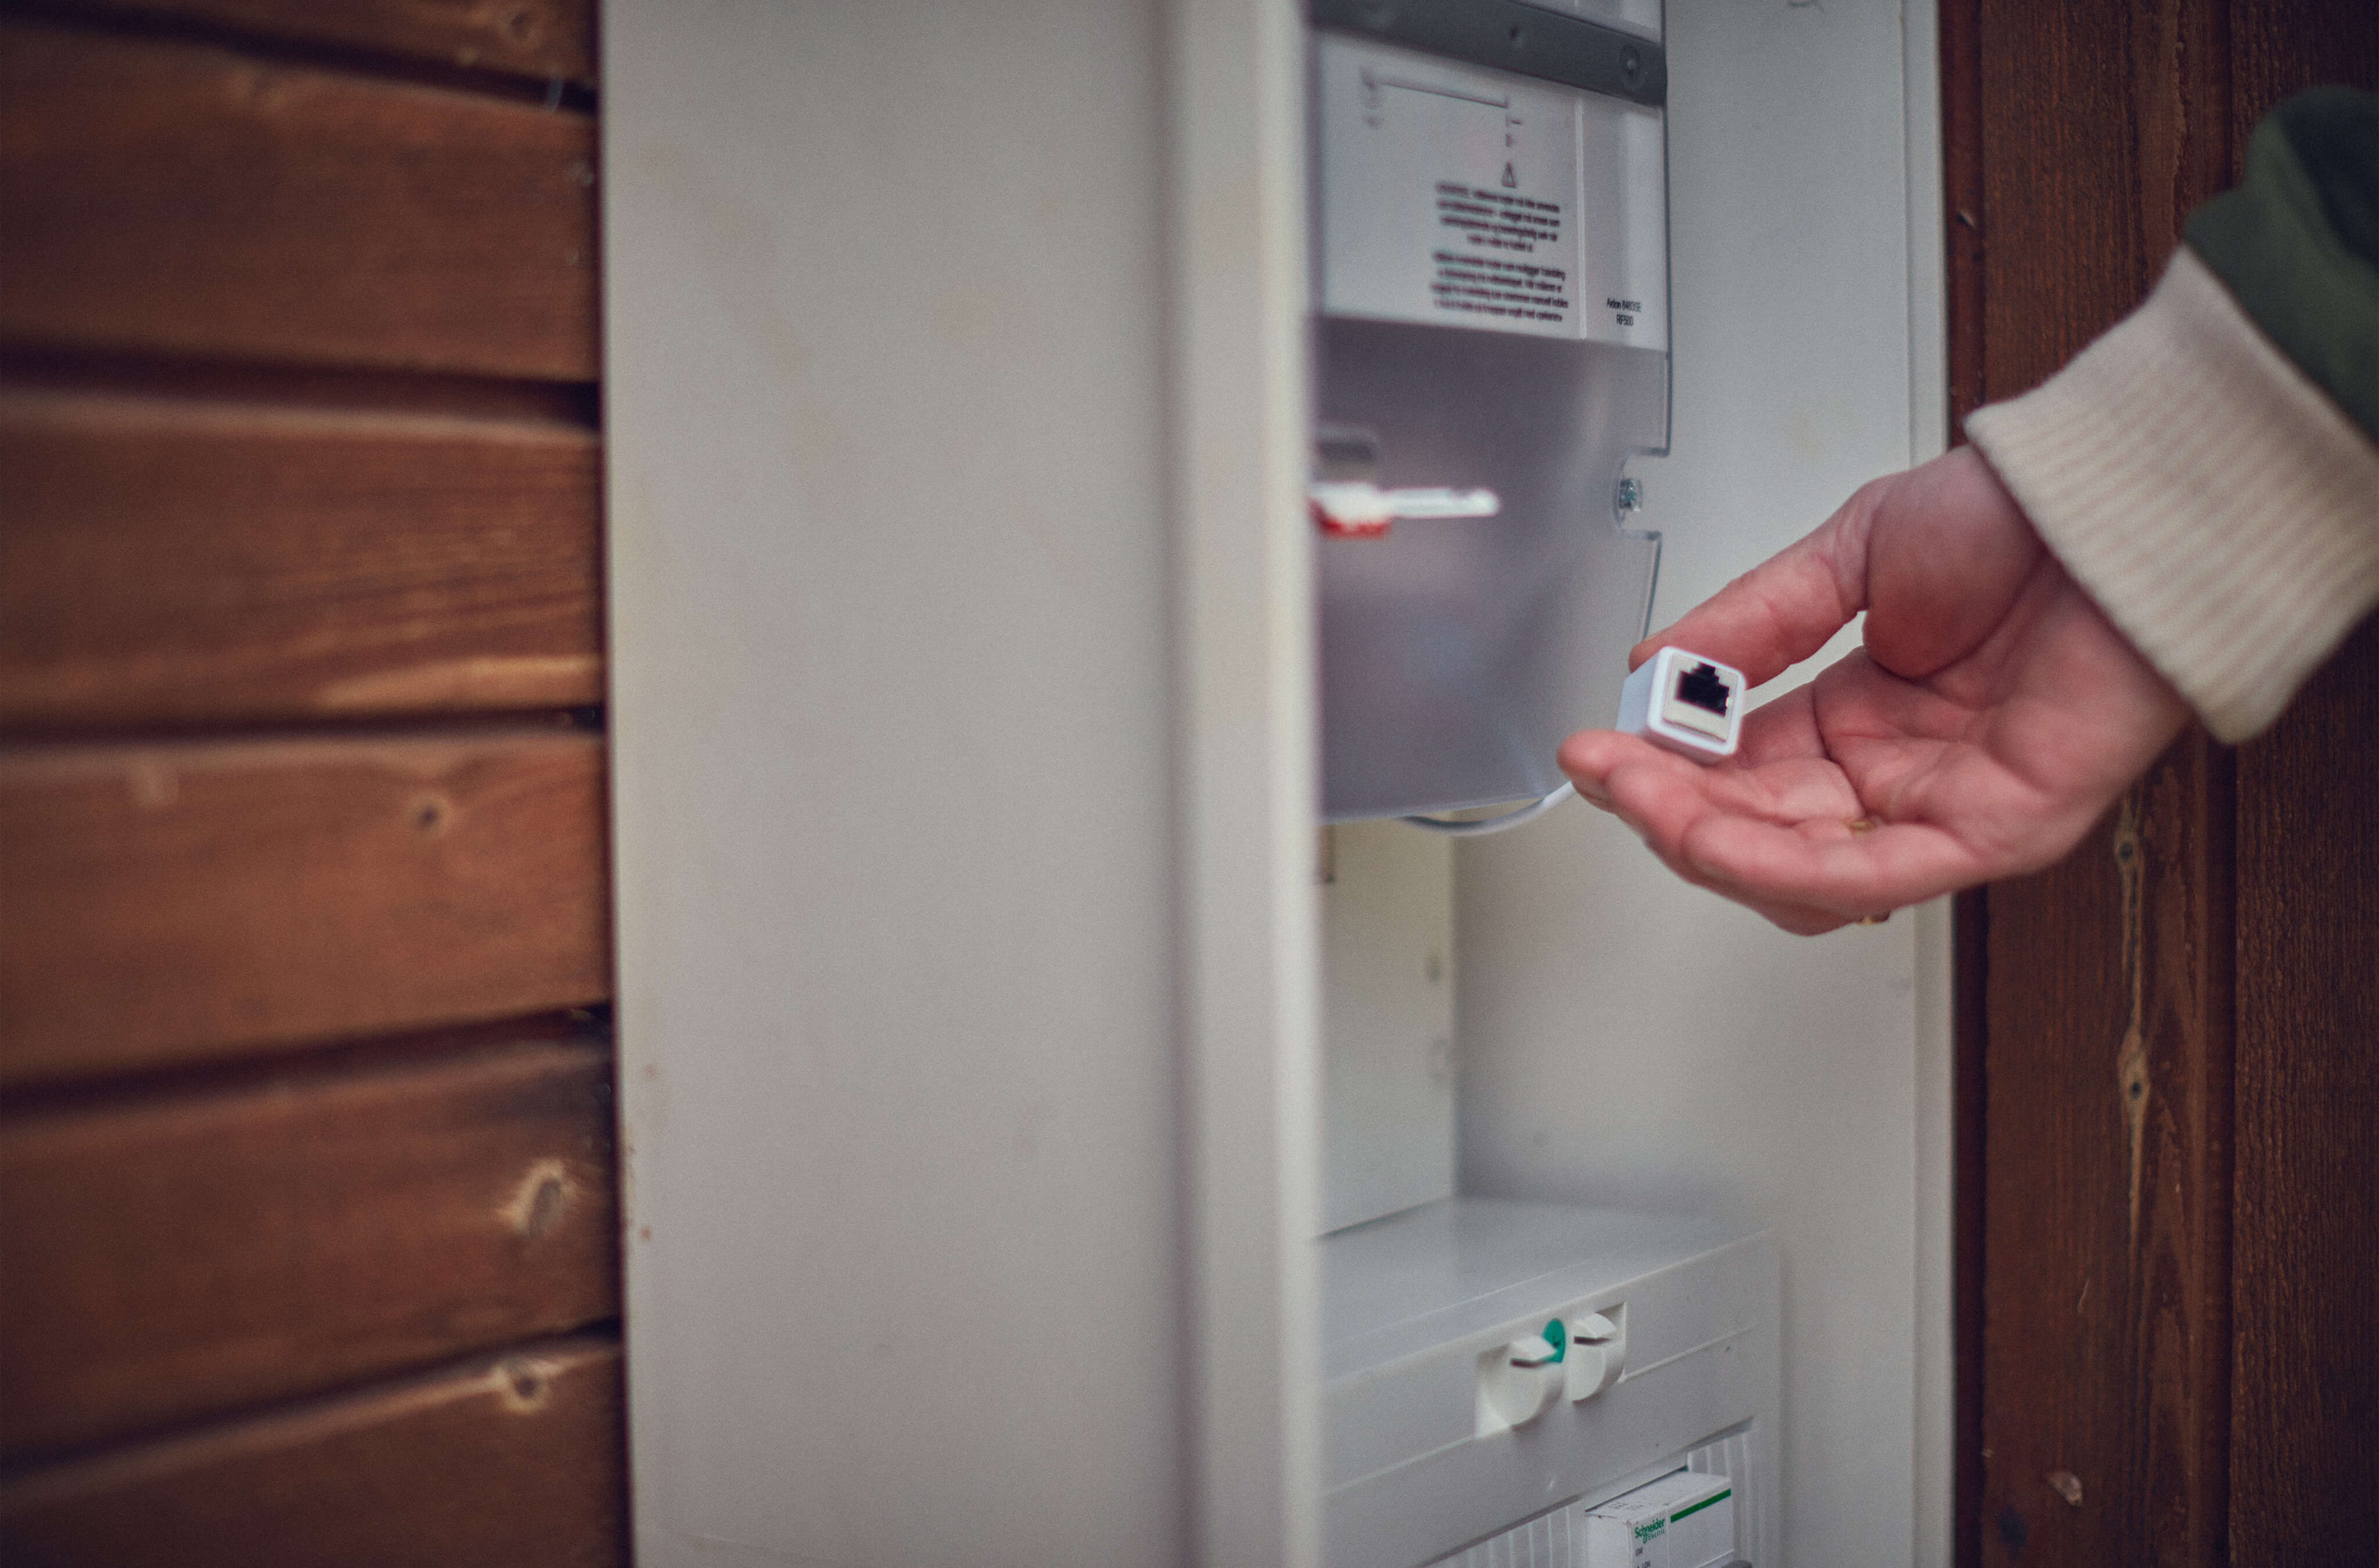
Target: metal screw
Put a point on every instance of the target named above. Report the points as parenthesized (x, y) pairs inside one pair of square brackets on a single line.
[(1630, 496)]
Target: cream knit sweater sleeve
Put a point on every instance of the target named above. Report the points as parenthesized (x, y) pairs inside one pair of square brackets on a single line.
[(2216, 504)]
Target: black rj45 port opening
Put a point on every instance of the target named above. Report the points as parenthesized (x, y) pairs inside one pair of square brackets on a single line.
[(1700, 687)]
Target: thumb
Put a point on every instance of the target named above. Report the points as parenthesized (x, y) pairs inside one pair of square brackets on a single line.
[(1783, 609)]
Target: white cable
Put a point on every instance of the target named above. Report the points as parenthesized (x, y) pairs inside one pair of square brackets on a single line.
[(1493, 824)]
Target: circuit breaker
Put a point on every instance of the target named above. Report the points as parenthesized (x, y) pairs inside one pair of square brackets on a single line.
[(1489, 256), (1539, 1375)]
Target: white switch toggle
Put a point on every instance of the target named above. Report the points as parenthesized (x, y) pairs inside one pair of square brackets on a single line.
[(1598, 1352), (1517, 1382), (1356, 509)]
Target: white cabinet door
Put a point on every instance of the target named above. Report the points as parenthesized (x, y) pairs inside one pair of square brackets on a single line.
[(960, 706)]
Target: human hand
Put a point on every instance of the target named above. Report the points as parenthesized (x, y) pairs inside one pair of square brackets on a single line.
[(1993, 715)]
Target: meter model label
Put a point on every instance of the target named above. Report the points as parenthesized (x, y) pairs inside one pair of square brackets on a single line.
[(1460, 197), (1449, 195), (1519, 285)]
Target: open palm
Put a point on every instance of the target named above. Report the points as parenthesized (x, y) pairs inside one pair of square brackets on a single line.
[(1992, 717)]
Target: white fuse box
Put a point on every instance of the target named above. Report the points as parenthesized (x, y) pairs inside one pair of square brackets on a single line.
[(1485, 1359)]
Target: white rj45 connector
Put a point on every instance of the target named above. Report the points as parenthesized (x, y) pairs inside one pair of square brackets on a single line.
[(1691, 704)]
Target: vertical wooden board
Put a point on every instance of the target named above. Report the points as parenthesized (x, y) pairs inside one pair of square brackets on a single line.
[(2304, 1466), (2308, 1183), (516, 1460), (170, 198), (2091, 123), (1968, 1260), (2175, 1084), (546, 39), (2065, 258), (201, 1249), (2281, 47), (2106, 1292), (2305, 1413), (1963, 257), (172, 560), (2054, 1209), (2106, 1065), (176, 902)]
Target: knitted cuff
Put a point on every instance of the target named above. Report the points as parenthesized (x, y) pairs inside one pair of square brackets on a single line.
[(2219, 508)]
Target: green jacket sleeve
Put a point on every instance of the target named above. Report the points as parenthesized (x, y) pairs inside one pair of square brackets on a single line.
[(2297, 242)]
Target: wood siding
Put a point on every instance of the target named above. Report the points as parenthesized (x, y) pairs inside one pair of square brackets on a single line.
[(399, 1210), (545, 40), (508, 1459), (173, 198), (2304, 1390), (308, 1204), (180, 559), (183, 900), (2167, 1175)]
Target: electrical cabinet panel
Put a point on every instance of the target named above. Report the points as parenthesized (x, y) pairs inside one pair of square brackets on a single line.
[(1557, 1384)]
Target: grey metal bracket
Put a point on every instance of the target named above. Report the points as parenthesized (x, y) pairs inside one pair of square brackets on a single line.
[(1510, 36)]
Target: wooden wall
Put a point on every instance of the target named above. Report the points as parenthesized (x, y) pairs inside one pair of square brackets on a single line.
[(2170, 1182), (308, 1207)]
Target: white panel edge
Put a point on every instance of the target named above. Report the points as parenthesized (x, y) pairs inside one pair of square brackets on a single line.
[(1932, 1518), (1247, 959)]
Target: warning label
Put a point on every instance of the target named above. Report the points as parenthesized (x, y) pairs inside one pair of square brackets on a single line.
[(1490, 275), (1450, 197)]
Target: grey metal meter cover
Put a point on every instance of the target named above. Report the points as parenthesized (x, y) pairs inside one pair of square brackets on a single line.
[(1490, 271)]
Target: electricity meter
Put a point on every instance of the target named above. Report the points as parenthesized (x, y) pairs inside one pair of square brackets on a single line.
[(1489, 256)]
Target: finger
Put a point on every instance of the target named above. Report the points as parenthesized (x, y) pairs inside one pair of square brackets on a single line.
[(1812, 798), (1948, 552), (1854, 874), (1801, 920), (1657, 791), (1592, 756), (1791, 839), (1661, 794), (1782, 610), (1783, 730), (1786, 728)]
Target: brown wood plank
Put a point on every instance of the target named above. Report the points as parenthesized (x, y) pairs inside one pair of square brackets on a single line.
[(174, 902), (2105, 1211), (2281, 47), (204, 1251), (2054, 1210), (172, 561), (2305, 1414), (171, 198), (2188, 1357), (516, 1460), (2107, 1285), (2305, 1402), (545, 38)]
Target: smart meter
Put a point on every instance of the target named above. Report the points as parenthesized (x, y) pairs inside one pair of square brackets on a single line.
[(1489, 256)]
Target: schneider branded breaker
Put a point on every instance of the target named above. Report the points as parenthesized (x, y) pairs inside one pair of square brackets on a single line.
[(1505, 1382)]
